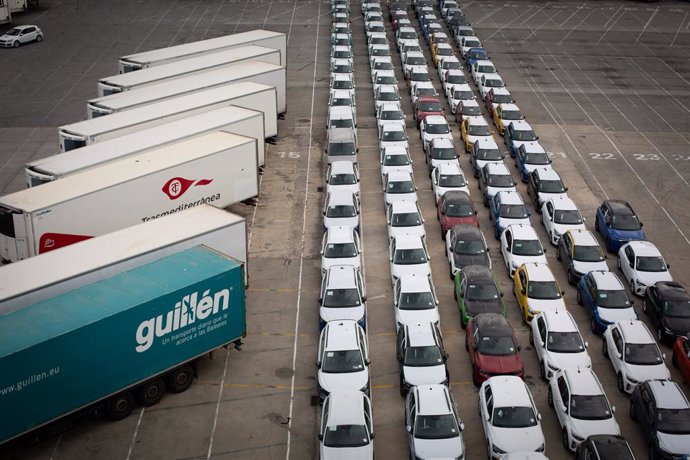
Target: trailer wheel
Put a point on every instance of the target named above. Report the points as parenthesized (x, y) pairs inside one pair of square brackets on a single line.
[(120, 405), (151, 392), (180, 379)]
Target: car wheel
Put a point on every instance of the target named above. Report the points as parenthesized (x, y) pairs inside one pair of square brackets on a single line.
[(549, 397), (618, 262), (571, 279), (604, 349), (565, 440), (579, 297), (39, 38), (16, 44), (633, 415), (531, 338), (596, 223), (558, 255), (652, 452), (659, 335), (475, 380), (593, 324), (674, 359), (452, 276), (542, 371), (644, 306), (620, 384)]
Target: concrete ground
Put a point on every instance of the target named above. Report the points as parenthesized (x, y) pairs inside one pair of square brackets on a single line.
[(604, 84)]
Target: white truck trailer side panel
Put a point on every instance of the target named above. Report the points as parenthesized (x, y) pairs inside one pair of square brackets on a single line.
[(218, 169), (54, 273), (236, 120), (99, 129), (162, 56), (180, 69)]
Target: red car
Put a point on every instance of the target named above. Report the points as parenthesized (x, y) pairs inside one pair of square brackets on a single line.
[(455, 207), (425, 106), (681, 357), (493, 348), (497, 96)]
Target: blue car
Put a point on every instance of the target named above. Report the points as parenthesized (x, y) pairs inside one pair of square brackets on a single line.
[(507, 208), (517, 133), (530, 156), (618, 224), (603, 295), (474, 55)]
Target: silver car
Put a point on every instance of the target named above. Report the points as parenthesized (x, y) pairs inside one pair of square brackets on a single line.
[(19, 35)]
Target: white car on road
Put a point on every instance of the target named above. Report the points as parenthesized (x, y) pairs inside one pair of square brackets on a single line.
[(558, 342), (560, 215), (408, 255), (642, 265), (520, 245)]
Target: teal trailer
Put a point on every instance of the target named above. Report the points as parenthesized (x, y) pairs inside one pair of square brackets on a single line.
[(123, 339)]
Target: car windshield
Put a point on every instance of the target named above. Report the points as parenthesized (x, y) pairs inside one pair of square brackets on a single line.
[(437, 128), (342, 362), (481, 292), (537, 158), (485, 69), (471, 44), (426, 92), (527, 248), (342, 123), (502, 99), (451, 65), (342, 54), (380, 52), (340, 250), (342, 179), (463, 95), (493, 83), (444, 153), (587, 254), (458, 209), (406, 219), (478, 55), (626, 222), (346, 436), (396, 160), (489, 154), (456, 79), (420, 76), (423, 356), (613, 299), (524, 135), (416, 301), (551, 186), (513, 211), (429, 107), (590, 407), (673, 421), (451, 180), (471, 111), (500, 180), (403, 186), (341, 210), (388, 96), (415, 60), (511, 115), (479, 130), (565, 342), (341, 101), (13, 32), (436, 427), (385, 65), (469, 247), (514, 417), (444, 52), (393, 136), (341, 148), (392, 115), (642, 354), (677, 308), (567, 217), (341, 298), (650, 264), (497, 345), (409, 256), (407, 35), (342, 68), (547, 290), (342, 84), (386, 80)]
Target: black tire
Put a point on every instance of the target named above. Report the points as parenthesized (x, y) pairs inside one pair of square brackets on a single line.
[(542, 371), (604, 349), (593, 324), (619, 383), (564, 437), (571, 278), (16, 44), (558, 254), (579, 297), (120, 405), (39, 38), (651, 452), (180, 379), (531, 338), (467, 345), (475, 380), (596, 223), (674, 359), (549, 397), (633, 414), (150, 393), (644, 307)]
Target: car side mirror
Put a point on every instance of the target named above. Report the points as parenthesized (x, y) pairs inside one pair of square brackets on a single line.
[(372, 435), (324, 213), (318, 364), (367, 361), (487, 417), (539, 417), (584, 219), (488, 249), (536, 137), (566, 188), (641, 224), (668, 266), (325, 150), (519, 348), (321, 252), (364, 298), (663, 356), (408, 428), (501, 294), (619, 355), (613, 409), (523, 290), (507, 248), (443, 213), (476, 212), (544, 250), (562, 292), (586, 344), (320, 437)]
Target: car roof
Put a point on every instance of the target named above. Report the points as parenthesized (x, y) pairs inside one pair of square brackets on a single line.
[(455, 72), (563, 203), (606, 280), (390, 107), (414, 283), (387, 89), (521, 125), (449, 59), (419, 68), (471, 102), (340, 197), (341, 276), (25, 26), (342, 76), (397, 175), (449, 169), (509, 390), (581, 237), (340, 111), (477, 120), (497, 169), (489, 141), (491, 76), (470, 37), (407, 29), (442, 142), (483, 62), (583, 382), (531, 146), (339, 234), (341, 48), (342, 166), (428, 98), (523, 232), (559, 320), (385, 73), (467, 231), (424, 84), (501, 90), (620, 207), (475, 273), (672, 290), (442, 45), (492, 324), (457, 196), (433, 399), (341, 335), (435, 120), (644, 248), (415, 54), (607, 445), (395, 150), (408, 241), (341, 135), (420, 335), (341, 94), (394, 127), (635, 331), (667, 394), (346, 408), (537, 271), (404, 206), (510, 197), (547, 173), (508, 106)]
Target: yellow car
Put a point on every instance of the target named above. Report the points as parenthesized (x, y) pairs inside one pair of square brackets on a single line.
[(536, 289), (504, 114), (438, 37), (471, 129), (441, 50)]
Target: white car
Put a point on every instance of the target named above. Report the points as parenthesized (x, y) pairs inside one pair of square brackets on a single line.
[(342, 359), (342, 52), (342, 66), (468, 42), (343, 82), (521, 132), (343, 176), (441, 151), (494, 178), (395, 159), (421, 356), (405, 35), (341, 117), (19, 35), (642, 265), (343, 98), (509, 416), (520, 245), (446, 177), (389, 114), (432, 423), (342, 295), (408, 255), (404, 217), (418, 73), (422, 88), (380, 63), (457, 93), (408, 47), (393, 135), (398, 185), (468, 108), (384, 77), (413, 58), (414, 300), (347, 427), (376, 29), (379, 50), (434, 127), (581, 406), (558, 342), (489, 81), (340, 246), (341, 208), (386, 94), (480, 68), (446, 63), (558, 215), (634, 354)]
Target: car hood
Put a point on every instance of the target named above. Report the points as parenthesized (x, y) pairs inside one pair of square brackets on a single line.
[(586, 428), (462, 260), (439, 448), (419, 270), (546, 304), (348, 453), (391, 197), (649, 278), (504, 222), (7, 38), (423, 375), (674, 443), (612, 315), (628, 235), (441, 190), (332, 314), (397, 231), (518, 439), (451, 221), (500, 364), (562, 228), (342, 382), (475, 307), (642, 373), (472, 139), (348, 188), (491, 191), (543, 196), (519, 260), (416, 316), (586, 267), (563, 360)]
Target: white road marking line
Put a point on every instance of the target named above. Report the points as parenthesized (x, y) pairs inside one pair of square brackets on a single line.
[(239, 20), (268, 10), (496, 10), (534, 14), (292, 19), (304, 231), (54, 454), (146, 39), (251, 228), (646, 25), (576, 26), (189, 16), (657, 84), (550, 19), (135, 434), (506, 24), (678, 31), (220, 397), (612, 24), (613, 16)]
